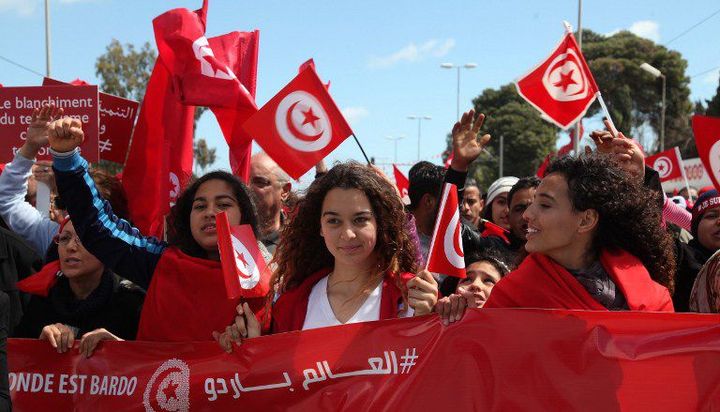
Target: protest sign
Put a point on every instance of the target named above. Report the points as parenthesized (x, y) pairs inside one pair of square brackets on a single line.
[(17, 104)]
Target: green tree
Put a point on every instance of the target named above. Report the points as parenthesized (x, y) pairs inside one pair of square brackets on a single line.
[(713, 105), (527, 137), (633, 96), (125, 71), (204, 155)]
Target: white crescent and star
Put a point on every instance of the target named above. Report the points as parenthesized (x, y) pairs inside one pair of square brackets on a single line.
[(248, 272), (302, 123), (452, 242), (663, 165), (564, 78)]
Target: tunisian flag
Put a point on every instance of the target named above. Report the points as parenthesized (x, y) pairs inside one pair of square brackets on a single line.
[(446, 252), (300, 125), (246, 273), (668, 164), (707, 139), (562, 86), (402, 183)]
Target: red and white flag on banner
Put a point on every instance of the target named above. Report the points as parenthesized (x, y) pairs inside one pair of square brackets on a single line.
[(402, 183), (246, 274), (562, 86), (707, 140), (300, 125), (668, 164), (446, 252)]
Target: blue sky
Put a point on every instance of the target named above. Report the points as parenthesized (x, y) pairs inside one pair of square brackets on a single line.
[(383, 57)]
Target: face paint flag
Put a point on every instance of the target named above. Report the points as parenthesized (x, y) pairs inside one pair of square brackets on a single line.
[(562, 86), (300, 125), (668, 164), (446, 252), (246, 273), (402, 183), (707, 139)]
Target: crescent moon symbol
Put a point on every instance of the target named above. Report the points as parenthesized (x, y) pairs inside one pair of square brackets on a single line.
[(294, 130)]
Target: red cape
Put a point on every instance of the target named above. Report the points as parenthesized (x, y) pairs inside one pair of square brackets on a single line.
[(540, 282), (186, 300), (288, 313)]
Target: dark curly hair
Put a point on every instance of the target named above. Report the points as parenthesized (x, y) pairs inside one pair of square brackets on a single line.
[(629, 215), (302, 250), (179, 233), (501, 259)]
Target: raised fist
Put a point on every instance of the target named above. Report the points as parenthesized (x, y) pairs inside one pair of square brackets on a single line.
[(65, 134)]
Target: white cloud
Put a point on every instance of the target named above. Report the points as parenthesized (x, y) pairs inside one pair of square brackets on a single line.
[(712, 78), (645, 28), (21, 7), (354, 114), (412, 53)]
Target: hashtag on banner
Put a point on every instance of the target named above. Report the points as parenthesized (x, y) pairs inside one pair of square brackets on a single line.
[(408, 360)]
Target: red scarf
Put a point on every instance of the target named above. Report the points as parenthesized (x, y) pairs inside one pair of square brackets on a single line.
[(186, 300), (41, 282), (540, 282), (288, 313)]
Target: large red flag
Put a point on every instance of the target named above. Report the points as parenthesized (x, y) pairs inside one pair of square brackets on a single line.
[(707, 140), (246, 273), (446, 252), (159, 164), (300, 125), (668, 164), (402, 183), (562, 86)]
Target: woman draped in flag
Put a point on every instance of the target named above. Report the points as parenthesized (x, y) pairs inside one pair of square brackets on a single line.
[(595, 241), (346, 256), (186, 298)]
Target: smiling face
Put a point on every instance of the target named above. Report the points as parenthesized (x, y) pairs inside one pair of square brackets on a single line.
[(212, 197), (500, 211), (75, 260), (349, 227), (481, 278), (709, 229), (554, 227)]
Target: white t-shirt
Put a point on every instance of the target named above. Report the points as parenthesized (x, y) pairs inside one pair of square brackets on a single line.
[(320, 314)]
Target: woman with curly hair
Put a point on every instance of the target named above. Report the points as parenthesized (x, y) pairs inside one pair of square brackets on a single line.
[(346, 256), (595, 242)]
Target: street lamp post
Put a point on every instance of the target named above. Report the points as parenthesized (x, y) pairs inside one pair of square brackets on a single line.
[(419, 119), (395, 140), (465, 66), (657, 73)]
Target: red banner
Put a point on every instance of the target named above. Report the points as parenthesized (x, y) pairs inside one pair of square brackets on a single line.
[(494, 359), (17, 104), (117, 117)]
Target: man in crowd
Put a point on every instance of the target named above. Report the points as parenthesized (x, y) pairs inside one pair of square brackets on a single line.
[(472, 203), (519, 198), (271, 187), (426, 180)]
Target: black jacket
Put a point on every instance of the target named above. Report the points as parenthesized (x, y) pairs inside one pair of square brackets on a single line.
[(114, 305), (17, 261), (690, 258)]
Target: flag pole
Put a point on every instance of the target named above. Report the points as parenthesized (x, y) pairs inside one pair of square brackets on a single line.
[(361, 149), (682, 170), (606, 111)]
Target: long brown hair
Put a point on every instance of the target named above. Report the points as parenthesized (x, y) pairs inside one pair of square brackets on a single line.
[(302, 250)]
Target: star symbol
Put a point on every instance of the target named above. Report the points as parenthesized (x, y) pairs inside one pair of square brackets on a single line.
[(169, 390), (239, 256), (310, 117), (565, 80)]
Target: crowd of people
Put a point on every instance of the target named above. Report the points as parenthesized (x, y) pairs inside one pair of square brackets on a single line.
[(596, 232)]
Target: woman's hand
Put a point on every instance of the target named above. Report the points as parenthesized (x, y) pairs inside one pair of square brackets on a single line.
[(37, 133), (90, 340), (65, 134), (467, 144), (626, 152), (61, 336), (451, 308), (245, 326), (422, 293)]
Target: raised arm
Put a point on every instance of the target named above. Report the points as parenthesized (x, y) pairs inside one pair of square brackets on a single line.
[(118, 245)]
